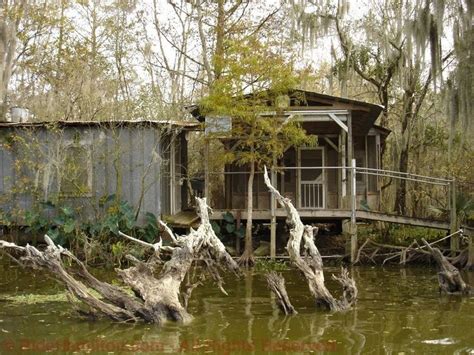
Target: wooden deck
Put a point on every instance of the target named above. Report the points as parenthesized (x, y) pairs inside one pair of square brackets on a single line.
[(337, 214)]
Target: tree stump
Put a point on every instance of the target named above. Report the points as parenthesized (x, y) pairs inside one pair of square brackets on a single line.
[(310, 262), (156, 298)]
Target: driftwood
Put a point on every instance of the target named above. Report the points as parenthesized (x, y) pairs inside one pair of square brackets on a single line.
[(276, 283), (449, 277), (375, 252), (156, 298), (311, 263)]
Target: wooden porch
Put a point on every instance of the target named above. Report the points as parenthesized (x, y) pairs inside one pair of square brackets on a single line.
[(350, 205), (337, 214)]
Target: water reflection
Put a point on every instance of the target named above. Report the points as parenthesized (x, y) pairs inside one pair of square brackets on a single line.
[(399, 310)]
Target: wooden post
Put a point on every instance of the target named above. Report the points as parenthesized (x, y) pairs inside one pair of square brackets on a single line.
[(343, 171), (352, 189), (206, 169), (350, 155), (378, 166), (353, 227), (298, 178), (366, 165), (273, 221), (453, 217)]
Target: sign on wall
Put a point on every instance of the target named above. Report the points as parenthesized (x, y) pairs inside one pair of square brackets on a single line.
[(218, 124)]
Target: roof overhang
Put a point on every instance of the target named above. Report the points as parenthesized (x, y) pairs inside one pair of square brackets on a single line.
[(111, 123), (312, 107)]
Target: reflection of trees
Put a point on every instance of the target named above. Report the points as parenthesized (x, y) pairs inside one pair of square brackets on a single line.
[(278, 325), (248, 305)]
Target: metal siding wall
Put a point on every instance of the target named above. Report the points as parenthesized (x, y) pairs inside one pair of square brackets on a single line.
[(136, 146), (112, 135), (126, 164), (178, 170), (151, 182), (165, 175), (99, 176), (157, 171), (136, 165)]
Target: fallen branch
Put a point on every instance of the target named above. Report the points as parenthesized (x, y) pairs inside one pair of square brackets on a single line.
[(404, 253), (155, 246), (311, 263)]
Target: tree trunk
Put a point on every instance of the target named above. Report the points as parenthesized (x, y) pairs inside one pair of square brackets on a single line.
[(401, 192), (8, 44), (247, 258), (311, 263), (407, 114)]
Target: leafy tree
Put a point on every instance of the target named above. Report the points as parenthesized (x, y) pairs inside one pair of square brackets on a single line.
[(253, 78), (390, 54)]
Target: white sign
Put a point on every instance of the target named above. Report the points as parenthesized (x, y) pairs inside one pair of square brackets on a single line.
[(218, 124)]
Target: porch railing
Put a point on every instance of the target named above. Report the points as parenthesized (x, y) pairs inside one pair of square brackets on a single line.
[(314, 193)]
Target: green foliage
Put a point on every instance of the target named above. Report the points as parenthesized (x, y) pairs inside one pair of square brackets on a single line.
[(464, 208), (404, 235), (5, 218), (397, 234), (118, 251), (151, 229), (266, 265), (62, 224), (227, 227)]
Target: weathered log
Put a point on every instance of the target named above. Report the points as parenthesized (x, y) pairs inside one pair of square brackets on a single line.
[(311, 263), (449, 277), (50, 259), (156, 298), (276, 283)]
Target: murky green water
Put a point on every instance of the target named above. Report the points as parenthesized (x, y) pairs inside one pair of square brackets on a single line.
[(399, 311)]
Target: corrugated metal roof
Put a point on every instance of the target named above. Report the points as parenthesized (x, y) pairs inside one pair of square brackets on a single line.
[(173, 123)]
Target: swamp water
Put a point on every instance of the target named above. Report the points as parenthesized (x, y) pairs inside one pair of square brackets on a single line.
[(399, 312)]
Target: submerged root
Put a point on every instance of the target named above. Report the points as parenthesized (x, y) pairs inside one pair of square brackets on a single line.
[(247, 259)]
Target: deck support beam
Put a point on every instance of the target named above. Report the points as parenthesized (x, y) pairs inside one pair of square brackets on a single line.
[(353, 228), (351, 162), (342, 172)]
